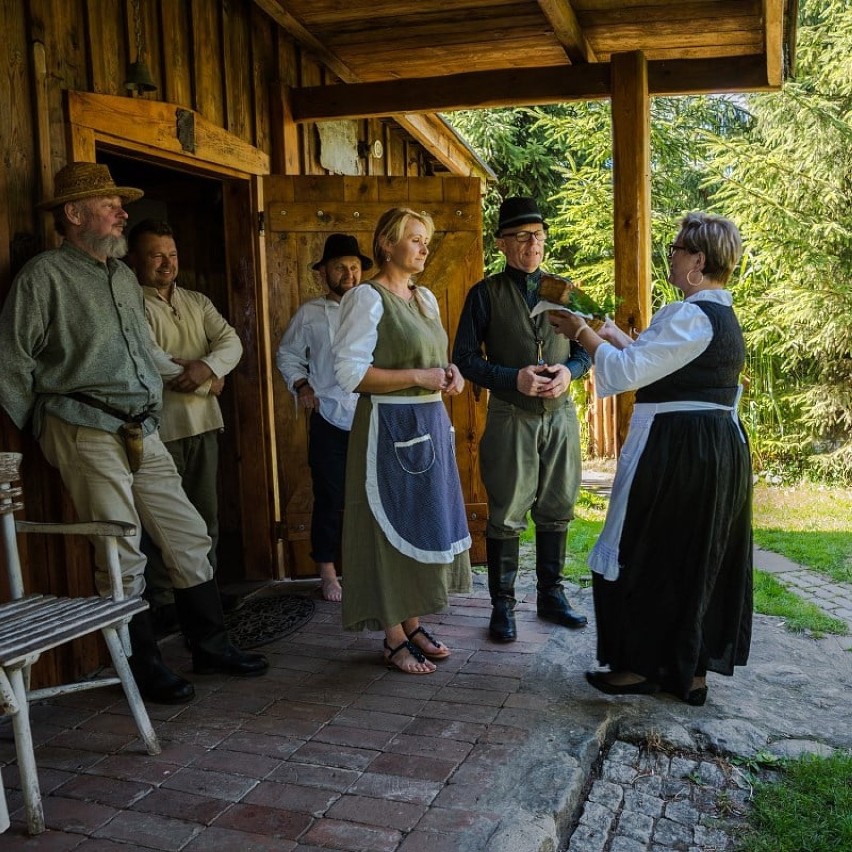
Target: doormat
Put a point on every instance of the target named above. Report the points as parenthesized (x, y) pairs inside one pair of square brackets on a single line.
[(262, 620)]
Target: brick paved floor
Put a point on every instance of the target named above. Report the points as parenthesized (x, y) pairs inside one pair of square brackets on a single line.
[(329, 750)]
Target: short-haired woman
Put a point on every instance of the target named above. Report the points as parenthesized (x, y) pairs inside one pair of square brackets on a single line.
[(672, 569)]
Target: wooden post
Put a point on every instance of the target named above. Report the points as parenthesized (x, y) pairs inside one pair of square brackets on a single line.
[(631, 150)]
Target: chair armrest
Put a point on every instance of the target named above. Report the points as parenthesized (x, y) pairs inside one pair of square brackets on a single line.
[(116, 528)]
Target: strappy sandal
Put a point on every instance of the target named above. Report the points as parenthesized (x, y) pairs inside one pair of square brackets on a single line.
[(412, 649), (441, 654)]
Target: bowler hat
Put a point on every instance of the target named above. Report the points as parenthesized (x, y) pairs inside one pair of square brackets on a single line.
[(76, 181), (342, 245), (519, 210)]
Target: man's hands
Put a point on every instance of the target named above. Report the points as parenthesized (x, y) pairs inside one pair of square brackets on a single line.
[(195, 374), (544, 381), (306, 397)]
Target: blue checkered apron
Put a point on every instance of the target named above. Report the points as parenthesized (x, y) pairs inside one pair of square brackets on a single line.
[(413, 486)]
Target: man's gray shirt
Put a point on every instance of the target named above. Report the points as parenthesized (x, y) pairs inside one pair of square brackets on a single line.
[(73, 324)]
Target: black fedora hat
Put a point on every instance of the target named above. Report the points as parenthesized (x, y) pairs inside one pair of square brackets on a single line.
[(519, 210), (342, 245)]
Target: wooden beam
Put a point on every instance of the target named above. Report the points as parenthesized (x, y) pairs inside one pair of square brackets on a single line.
[(773, 28), (155, 124), (297, 29), (522, 86), (562, 17), (473, 90), (440, 140), (631, 158)]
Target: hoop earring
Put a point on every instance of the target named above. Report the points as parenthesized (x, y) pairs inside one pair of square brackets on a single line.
[(387, 258), (691, 282)]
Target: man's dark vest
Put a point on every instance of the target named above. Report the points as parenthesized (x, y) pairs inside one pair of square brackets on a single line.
[(510, 340), (715, 374)]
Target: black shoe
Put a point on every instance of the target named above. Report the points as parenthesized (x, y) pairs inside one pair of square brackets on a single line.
[(158, 683), (695, 697), (502, 627), (599, 681), (231, 661), (552, 605)]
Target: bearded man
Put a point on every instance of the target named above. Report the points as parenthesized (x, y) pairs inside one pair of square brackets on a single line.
[(305, 361), (80, 365)]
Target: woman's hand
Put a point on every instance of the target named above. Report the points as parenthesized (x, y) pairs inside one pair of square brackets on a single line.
[(611, 333), (565, 323), (455, 380), (432, 378)]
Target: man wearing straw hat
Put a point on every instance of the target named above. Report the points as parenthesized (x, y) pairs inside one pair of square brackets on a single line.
[(81, 364)]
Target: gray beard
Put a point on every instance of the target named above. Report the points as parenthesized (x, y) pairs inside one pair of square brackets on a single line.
[(108, 246)]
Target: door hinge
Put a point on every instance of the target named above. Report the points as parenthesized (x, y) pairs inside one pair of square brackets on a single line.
[(281, 531), (261, 223)]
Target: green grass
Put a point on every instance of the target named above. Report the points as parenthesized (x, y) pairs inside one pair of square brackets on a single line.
[(808, 809), (772, 598), (809, 524)]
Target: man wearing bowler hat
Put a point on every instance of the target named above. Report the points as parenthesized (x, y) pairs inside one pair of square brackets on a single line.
[(305, 361), (80, 365), (530, 450)]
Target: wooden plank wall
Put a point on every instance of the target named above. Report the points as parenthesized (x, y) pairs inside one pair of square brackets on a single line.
[(222, 58)]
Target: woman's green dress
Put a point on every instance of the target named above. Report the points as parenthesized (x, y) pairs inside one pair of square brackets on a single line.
[(382, 587)]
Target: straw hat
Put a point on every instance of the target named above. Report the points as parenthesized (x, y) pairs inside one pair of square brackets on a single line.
[(76, 181)]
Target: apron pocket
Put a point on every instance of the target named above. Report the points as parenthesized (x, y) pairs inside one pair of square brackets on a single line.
[(416, 455)]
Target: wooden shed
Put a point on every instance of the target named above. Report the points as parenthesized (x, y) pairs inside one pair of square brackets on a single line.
[(276, 122)]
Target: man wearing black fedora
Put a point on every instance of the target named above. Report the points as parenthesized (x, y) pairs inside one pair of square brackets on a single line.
[(305, 361), (81, 367), (530, 450)]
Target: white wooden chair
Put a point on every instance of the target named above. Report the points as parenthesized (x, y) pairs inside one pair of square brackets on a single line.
[(32, 624)]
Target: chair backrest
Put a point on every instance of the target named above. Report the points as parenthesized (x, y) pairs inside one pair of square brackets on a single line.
[(10, 502)]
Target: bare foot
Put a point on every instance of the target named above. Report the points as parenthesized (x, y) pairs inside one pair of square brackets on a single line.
[(329, 584), (331, 590)]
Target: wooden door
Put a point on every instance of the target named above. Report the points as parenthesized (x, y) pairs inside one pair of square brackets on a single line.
[(301, 211)]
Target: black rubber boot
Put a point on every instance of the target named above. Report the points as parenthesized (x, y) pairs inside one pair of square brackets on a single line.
[(201, 619), (503, 554), (551, 603), (157, 683)]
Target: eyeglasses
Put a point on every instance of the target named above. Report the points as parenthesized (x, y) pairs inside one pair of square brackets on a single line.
[(673, 247), (526, 236)]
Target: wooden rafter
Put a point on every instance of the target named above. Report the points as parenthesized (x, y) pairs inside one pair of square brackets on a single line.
[(561, 16), (433, 133), (297, 29), (522, 86)]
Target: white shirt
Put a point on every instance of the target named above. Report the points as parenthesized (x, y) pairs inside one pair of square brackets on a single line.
[(678, 334), (360, 313), (305, 352)]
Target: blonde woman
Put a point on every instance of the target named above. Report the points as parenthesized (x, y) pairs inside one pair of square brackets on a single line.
[(405, 535)]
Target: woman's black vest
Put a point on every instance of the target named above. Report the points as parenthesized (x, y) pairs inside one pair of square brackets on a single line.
[(715, 374)]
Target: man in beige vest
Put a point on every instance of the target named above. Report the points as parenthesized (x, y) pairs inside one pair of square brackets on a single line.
[(81, 367), (188, 327), (530, 450)]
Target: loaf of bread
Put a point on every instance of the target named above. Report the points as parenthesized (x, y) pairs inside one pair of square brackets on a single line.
[(561, 291)]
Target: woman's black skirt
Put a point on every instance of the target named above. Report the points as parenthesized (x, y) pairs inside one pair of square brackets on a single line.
[(682, 603)]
